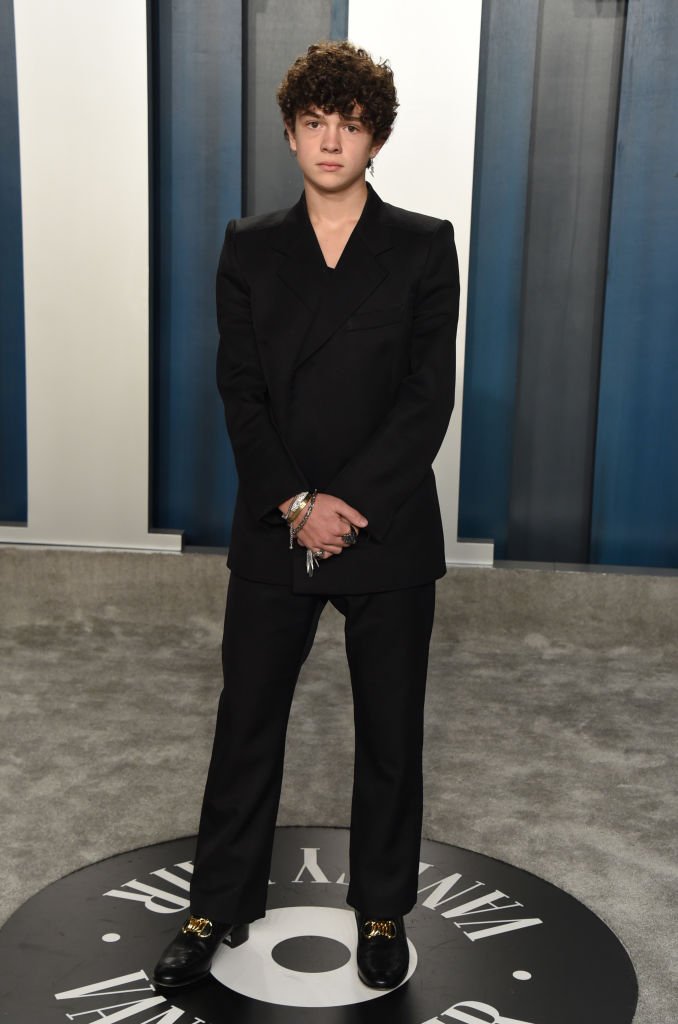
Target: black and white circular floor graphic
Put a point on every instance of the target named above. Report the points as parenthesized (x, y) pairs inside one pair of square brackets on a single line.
[(489, 944)]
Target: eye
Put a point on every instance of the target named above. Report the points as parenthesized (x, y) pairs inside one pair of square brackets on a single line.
[(352, 128), (312, 124)]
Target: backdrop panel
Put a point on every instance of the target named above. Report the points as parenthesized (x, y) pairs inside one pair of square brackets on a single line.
[(505, 85), (197, 148), (566, 234), (635, 510), (13, 495), (83, 129)]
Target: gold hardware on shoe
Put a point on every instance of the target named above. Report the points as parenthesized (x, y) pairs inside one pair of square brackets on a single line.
[(385, 929), (200, 926)]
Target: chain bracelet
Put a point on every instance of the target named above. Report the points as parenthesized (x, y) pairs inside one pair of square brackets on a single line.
[(294, 530)]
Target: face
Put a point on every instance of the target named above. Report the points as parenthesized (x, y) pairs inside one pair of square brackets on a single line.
[(332, 151)]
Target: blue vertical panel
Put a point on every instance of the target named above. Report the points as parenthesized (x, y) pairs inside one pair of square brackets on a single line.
[(635, 508), (197, 183), (507, 59), (339, 19), (276, 33), (566, 240), (13, 487)]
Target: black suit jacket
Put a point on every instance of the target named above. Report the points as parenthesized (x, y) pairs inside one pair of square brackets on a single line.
[(342, 381)]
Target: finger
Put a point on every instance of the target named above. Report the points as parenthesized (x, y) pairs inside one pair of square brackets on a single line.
[(348, 537), (335, 549), (316, 549), (351, 514), (349, 524)]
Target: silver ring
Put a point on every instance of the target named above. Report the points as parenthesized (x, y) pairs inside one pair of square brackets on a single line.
[(319, 553), (350, 538)]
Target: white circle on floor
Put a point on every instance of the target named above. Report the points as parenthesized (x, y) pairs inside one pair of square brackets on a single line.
[(110, 937), (522, 975), (251, 970)]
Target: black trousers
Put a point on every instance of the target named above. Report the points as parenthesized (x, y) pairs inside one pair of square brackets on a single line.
[(268, 632)]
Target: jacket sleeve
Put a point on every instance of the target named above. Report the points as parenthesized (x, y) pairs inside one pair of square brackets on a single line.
[(267, 472), (383, 474)]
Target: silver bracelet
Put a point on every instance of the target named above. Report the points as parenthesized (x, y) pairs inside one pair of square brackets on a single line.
[(294, 505), (294, 530)]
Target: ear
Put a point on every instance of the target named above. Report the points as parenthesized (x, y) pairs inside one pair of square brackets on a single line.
[(377, 146)]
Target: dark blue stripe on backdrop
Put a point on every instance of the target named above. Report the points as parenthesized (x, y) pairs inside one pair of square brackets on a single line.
[(507, 58), (566, 241), (635, 510), (275, 33), (339, 19), (197, 150), (13, 483)]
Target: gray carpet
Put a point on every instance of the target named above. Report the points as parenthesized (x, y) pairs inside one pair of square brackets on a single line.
[(552, 727)]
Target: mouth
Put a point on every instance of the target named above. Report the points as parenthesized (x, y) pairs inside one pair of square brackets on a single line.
[(328, 166)]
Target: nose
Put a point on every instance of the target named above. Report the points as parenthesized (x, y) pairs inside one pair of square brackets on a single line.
[(331, 139)]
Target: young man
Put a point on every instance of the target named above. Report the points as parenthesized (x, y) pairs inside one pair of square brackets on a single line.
[(336, 366)]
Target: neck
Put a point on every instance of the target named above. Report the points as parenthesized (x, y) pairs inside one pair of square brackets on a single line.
[(335, 207)]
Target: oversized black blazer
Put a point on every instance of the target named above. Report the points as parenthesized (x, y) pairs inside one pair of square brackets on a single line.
[(342, 381)]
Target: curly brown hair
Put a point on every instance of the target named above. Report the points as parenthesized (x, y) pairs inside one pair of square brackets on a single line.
[(335, 76)]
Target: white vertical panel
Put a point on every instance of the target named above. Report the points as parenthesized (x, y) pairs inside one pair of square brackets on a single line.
[(427, 164), (83, 130)]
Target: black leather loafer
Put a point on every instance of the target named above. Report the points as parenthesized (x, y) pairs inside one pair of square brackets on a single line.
[(189, 956), (383, 956)]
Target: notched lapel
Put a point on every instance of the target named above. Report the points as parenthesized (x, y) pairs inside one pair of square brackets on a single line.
[(299, 268), (296, 290)]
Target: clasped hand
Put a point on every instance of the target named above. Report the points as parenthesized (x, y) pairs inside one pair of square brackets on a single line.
[(330, 518)]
